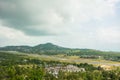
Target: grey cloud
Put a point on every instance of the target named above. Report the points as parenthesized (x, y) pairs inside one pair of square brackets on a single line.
[(13, 15), (50, 16)]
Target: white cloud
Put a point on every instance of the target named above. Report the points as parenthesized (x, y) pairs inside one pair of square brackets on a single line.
[(109, 34), (53, 16), (10, 33)]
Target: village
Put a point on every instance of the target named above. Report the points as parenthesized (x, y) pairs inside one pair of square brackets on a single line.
[(69, 68)]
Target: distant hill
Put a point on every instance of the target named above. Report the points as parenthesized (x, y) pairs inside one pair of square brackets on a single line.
[(41, 48), (49, 46), (52, 49)]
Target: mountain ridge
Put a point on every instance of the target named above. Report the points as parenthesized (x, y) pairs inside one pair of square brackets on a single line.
[(52, 49), (46, 46), (49, 48)]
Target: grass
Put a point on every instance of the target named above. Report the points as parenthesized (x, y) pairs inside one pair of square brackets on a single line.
[(74, 59), (69, 59)]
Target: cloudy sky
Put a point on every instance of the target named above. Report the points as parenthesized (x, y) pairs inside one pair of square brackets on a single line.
[(93, 24)]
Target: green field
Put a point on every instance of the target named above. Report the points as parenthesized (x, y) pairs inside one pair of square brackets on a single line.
[(68, 59)]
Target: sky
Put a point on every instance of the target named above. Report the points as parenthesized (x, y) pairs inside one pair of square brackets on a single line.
[(93, 24)]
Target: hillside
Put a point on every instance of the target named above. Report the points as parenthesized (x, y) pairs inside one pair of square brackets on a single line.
[(51, 49), (39, 49)]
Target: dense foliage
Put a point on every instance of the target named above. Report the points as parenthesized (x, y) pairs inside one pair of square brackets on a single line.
[(20, 67)]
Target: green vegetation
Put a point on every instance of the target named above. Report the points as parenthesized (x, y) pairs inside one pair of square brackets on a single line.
[(21, 66), (51, 49), (49, 62)]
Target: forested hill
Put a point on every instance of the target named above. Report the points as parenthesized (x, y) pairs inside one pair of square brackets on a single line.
[(41, 48), (47, 48), (51, 49)]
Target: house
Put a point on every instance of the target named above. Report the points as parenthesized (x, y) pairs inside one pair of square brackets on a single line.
[(69, 68)]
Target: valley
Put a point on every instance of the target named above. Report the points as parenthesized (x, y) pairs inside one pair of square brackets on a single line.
[(52, 62)]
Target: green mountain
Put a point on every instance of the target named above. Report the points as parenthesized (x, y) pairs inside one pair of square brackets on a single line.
[(39, 49), (49, 46), (51, 49)]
